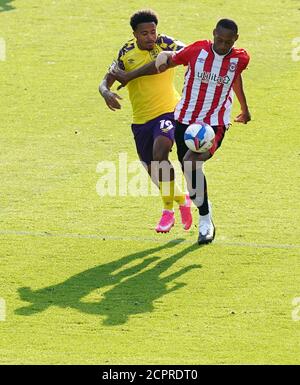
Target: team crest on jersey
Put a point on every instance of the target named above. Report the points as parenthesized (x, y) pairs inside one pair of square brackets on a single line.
[(154, 53), (232, 67)]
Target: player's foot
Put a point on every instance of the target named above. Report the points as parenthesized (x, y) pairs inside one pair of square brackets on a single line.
[(166, 222), (207, 228), (185, 212)]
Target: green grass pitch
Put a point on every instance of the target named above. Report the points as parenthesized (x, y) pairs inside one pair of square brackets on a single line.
[(84, 279)]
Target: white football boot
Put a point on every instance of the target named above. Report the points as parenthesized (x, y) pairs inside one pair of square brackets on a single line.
[(207, 228)]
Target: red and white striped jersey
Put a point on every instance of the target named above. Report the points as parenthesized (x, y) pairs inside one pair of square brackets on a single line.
[(207, 92)]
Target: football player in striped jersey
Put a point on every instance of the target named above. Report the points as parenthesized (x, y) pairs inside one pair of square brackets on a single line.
[(213, 72)]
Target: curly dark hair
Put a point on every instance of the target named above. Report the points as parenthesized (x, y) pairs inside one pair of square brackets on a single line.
[(143, 16)]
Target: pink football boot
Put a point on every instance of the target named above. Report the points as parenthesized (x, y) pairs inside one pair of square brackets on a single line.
[(185, 212), (166, 222)]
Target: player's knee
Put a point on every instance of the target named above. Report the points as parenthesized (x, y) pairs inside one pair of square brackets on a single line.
[(161, 149), (161, 154), (196, 157), (197, 199)]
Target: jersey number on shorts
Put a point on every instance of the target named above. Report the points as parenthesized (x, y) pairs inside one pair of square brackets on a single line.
[(166, 125)]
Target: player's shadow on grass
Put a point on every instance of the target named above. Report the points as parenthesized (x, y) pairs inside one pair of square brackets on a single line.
[(132, 290), (6, 6)]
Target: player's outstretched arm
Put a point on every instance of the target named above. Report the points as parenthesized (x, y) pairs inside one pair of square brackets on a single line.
[(244, 116), (161, 64), (125, 77), (111, 98)]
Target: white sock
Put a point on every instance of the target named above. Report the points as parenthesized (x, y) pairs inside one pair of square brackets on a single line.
[(205, 218)]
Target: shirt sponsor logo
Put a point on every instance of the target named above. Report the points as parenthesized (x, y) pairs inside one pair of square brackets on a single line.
[(207, 77)]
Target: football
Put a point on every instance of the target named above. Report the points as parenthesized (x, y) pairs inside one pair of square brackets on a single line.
[(199, 137)]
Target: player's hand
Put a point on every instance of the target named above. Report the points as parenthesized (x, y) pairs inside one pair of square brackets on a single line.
[(120, 75), (162, 68), (244, 117), (111, 100)]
